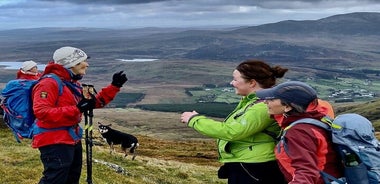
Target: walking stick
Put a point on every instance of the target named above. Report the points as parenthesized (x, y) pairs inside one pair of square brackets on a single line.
[(88, 115), (88, 133)]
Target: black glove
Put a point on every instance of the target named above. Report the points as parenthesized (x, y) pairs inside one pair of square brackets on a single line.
[(118, 79), (86, 104)]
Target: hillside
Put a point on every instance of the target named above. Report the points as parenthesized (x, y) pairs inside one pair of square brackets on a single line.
[(370, 110), (169, 152), (164, 156), (344, 46)]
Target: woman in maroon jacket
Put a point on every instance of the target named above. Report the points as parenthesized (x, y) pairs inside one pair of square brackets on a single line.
[(306, 149), (61, 152)]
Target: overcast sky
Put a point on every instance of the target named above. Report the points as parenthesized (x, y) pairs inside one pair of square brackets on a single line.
[(169, 13)]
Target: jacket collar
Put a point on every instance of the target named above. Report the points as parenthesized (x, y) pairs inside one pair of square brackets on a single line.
[(59, 70)]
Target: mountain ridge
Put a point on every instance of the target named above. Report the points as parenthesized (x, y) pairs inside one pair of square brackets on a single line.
[(346, 37), (349, 24)]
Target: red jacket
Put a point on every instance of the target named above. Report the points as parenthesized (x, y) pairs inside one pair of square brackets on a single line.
[(27, 75), (53, 110), (309, 150)]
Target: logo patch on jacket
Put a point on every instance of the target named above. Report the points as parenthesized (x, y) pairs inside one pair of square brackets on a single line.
[(43, 94)]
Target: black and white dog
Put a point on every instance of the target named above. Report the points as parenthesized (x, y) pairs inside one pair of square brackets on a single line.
[(114, 137)]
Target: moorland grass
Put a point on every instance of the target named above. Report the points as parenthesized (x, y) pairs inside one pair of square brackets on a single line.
[(21, 164)]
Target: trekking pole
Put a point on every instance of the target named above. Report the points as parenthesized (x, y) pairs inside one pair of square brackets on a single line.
[(87, 140), (87, 89), (90, 144)]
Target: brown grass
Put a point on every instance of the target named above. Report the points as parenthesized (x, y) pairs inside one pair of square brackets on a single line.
[(169, 152), (161, 135)]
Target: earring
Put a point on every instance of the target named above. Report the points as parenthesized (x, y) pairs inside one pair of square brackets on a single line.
[(285, 113)]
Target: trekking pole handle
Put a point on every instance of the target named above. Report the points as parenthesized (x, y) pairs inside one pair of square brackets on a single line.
[(88, 91)]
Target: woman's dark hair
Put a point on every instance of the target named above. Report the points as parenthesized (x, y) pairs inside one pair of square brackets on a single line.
[(258, 70), (296, 109)]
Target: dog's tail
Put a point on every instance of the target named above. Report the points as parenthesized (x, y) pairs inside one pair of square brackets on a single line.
[(133, 150), (134, 147)]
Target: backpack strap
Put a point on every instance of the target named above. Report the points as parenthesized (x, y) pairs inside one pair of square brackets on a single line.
[(75, 89), (328, 178), (300, 121), (57, 79), (70, 129), (310, 121)]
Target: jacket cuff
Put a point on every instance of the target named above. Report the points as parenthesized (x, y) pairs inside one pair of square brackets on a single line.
[(193, 119), (114, 86)]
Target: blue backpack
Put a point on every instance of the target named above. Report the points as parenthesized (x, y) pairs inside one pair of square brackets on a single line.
[(354, 138), (17, 107)]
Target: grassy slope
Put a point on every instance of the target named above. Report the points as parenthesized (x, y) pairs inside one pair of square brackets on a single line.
[(370, 110), (169, 152), (158, 161)]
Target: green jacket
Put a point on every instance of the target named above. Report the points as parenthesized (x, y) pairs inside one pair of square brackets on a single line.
[(240, 136)]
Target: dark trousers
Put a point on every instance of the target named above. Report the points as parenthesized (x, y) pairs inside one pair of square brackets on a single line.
[(62, 164), (254, 173)]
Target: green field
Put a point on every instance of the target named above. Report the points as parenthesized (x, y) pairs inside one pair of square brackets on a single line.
[(357, 89)]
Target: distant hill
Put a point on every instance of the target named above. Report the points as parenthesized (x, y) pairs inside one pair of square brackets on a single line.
[(353, 24), (339, 39)]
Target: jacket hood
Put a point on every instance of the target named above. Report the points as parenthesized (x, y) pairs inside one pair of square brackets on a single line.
[(59, 70), (20, 73)]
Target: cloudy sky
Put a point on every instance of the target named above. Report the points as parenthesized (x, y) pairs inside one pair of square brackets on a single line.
[(169, 13)]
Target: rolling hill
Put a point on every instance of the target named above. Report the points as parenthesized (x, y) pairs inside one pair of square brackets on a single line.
[(340, 39), (325, 52)]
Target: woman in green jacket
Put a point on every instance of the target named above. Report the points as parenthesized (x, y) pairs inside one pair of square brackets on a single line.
[(246, 137)]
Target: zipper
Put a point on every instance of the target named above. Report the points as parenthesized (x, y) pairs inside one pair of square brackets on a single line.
[(241, 164)]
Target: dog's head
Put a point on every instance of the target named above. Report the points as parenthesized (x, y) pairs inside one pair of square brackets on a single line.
[(103, 128)]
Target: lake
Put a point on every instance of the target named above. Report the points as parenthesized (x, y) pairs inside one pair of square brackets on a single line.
[(136, 60)]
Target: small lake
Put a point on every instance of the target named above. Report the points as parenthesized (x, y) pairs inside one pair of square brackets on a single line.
[(136, 60)]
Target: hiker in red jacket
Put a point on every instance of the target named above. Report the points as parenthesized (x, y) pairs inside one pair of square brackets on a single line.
[(61, 149), (305, 149), (28, 70)]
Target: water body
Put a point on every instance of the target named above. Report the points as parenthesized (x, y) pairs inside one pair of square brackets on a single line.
[(136, 60)]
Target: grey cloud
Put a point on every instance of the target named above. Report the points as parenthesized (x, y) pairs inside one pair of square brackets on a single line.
[(298, 4), (120, 2), (169, 13), (265, 4)]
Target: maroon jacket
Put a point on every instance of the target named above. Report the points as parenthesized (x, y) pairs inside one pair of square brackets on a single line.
[(309, 150), (53, 110)]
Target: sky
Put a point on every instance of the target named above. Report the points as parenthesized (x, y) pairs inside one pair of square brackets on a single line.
[(128, 14)]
